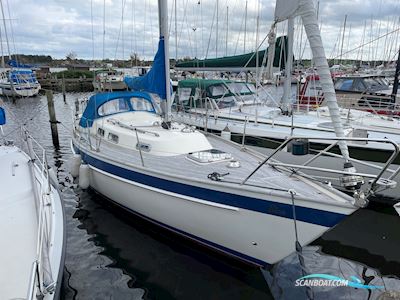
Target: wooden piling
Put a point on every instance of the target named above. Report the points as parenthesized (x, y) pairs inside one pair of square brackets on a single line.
[(63, 88), (53, 119)]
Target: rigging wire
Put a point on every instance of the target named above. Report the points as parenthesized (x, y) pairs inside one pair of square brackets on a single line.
[(372, 41), (120, 32)]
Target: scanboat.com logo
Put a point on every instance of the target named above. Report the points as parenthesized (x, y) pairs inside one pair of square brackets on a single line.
[(330, 280)]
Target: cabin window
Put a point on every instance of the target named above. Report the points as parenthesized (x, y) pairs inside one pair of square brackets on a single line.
[(113, 137), (344, 84), (226, 102), (143, 147), (359, 86), (113, 106), (140, 104), (100, 131), (239, 88), (184, 94), (218, 90)]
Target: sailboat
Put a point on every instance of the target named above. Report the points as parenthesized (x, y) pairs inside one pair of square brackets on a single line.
[(108, 80), (247, 112), (195, 184), (32, 222), (19, 80)]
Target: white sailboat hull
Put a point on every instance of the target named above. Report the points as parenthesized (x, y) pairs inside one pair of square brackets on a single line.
[(19, 90), (243, 233)]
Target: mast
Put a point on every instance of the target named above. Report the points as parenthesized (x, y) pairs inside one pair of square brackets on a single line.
[(396, 79), (227, 30), (245, 29), (3, 65), (104, 27), (285, 103), (341, 46), (309, 17), (257, 54), (163, 24), (176, 33), (216, 35), (5, 29)]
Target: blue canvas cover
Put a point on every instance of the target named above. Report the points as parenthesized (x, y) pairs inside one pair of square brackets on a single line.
[(20, 76), (91, 112), (13, 63), (2, 116), (154, 80)]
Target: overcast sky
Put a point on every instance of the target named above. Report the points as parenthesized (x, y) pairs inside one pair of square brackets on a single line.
[(57, 27)]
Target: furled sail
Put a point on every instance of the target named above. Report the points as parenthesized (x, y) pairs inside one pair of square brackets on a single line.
[(305, 9), (154, 80), (241, 62)]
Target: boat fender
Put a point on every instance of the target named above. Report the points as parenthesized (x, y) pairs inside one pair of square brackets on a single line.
[(74, 165), (226, 133), (84, 176), (397, 207)]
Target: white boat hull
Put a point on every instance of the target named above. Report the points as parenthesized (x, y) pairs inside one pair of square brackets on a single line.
[(237, 231), (19, 91)]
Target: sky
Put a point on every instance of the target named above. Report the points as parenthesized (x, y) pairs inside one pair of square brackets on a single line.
[(59, 27)]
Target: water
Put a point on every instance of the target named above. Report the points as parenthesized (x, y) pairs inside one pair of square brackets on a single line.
[(114, 255)]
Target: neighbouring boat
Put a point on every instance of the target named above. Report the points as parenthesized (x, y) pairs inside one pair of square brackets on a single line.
[(218, 104), (19, 83), (32, 223), (109, 80), (363, 92), (199, 185)]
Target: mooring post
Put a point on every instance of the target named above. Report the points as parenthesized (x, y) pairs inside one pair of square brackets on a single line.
[(63, 88), (53, 119)]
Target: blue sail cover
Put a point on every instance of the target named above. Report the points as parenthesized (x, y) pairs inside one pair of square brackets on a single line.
[(154, 80)]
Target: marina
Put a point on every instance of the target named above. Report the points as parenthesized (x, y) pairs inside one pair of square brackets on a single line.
[(268, 173), (102, 262)]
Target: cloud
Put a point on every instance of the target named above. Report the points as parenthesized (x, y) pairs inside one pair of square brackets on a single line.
[(57, 27)]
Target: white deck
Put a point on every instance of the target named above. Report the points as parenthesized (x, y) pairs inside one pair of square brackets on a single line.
[(180, 168), (18, 224)]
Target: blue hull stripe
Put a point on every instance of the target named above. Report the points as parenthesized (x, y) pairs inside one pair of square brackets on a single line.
[(305, 214)]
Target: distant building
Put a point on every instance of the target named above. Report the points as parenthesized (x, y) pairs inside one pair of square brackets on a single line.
[(42, 72), (78, 67)]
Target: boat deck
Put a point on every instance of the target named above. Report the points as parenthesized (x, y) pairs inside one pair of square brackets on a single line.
[(17, 223), (265, 180)]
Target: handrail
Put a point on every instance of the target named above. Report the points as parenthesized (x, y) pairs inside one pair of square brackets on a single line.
[(336, 139), (130, 127), (41, 195)]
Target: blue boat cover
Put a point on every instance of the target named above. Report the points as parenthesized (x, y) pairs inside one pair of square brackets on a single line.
[(154, 80), (13, 63), (91, 112), (2, 116), (19, 76)]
